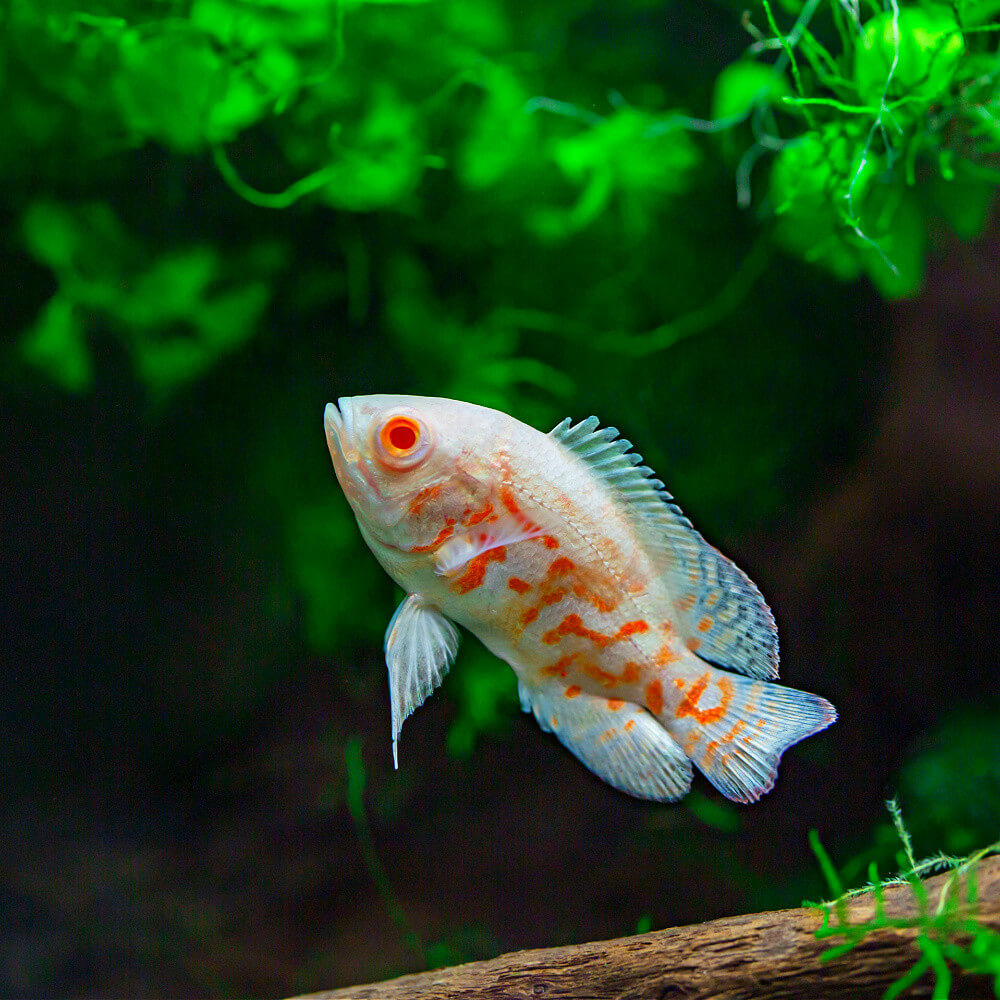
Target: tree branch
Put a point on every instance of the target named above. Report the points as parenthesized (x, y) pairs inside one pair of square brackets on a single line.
[(761, 956)]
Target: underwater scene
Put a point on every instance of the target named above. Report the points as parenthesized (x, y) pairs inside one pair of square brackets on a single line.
[(307, 308)]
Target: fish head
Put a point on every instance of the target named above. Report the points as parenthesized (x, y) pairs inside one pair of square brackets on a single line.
[(407, 463)]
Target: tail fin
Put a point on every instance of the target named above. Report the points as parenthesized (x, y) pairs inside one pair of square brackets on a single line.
[(735, 729)]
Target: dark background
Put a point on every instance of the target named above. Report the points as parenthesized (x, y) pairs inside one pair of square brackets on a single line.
[(198, 791)]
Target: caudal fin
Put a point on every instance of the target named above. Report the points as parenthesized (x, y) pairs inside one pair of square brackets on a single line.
[(735, 729)]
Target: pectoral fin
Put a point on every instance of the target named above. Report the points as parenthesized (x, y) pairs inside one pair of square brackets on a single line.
[(458, 551), (420, 646), (619, 741)]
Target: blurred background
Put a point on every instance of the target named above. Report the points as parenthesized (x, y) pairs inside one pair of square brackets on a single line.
[(761, 242)]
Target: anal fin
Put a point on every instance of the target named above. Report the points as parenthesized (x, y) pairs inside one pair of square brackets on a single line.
[(617, 740)]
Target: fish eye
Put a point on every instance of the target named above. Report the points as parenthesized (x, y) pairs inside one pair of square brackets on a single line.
[(400, 434), (402, 441)]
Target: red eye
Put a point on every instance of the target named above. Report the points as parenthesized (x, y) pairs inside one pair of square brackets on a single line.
[(402, 436), (399, 436)]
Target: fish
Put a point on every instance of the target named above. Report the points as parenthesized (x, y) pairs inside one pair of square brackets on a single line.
[(642, 648)]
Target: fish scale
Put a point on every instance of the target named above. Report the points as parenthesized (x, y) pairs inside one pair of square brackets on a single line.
[(638, 644)]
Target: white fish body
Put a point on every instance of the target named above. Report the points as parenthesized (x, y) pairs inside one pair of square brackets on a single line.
[(570, 563)]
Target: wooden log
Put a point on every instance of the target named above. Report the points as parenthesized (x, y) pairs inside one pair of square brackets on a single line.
[(760, 956)]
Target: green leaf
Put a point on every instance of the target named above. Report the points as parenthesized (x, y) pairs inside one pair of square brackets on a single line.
[(896, 263), (381, 163), (965, 202), (712, 812), (342, 588), (743, 84), (485, 690), (502, 137), (51, 233), (914, 55), (56, 345)]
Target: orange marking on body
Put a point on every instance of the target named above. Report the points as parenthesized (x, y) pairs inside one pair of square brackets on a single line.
[(686, 603), (573, 625), (475, 571), (679, 683), (529, 616), (712, 599), (508, 500), (573, 690), (426, 494), (691, 741), (614, 704), (558, 669), (586, 594), (518, 586), (554, 722), (554, 596), (601, 676), (760, 723), (607, 735), (561, 565), (654, 697), (709, 750), (629, 674), (734, 732), (630, 628), (666, 655), (449, 527), (689, 706), (693, 644), (480, 515), (629, 725), (548, 541), (705, 624)]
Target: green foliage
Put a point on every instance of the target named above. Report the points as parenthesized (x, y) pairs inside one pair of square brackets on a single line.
[(951, 785), (860, 129), (474, 200), (176, 314), (743, 86), (716, 813), (912, 54), (341, 591), (946, 932), (629, 158), (485, 692)]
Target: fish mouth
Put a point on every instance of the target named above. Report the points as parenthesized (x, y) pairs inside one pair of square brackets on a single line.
[(339, 427), (349, 463)]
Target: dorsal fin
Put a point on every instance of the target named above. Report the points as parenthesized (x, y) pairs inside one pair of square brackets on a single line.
[(720, 613)]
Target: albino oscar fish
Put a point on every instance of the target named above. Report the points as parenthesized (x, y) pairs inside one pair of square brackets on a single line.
[(571, 563)]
